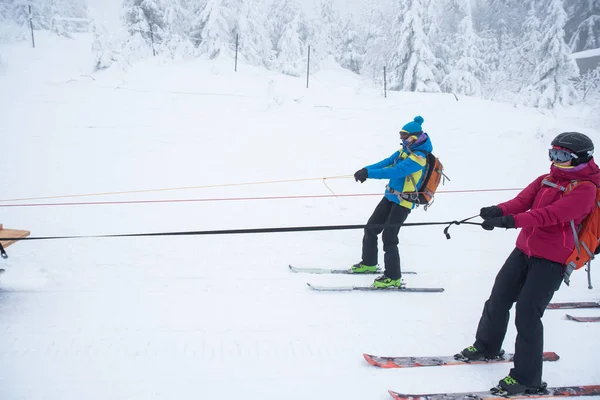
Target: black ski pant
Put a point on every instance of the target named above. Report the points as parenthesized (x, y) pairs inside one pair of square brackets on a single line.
[(531, 283), (386, 212)]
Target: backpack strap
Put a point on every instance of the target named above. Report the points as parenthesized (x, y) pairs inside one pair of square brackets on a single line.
[(546, 181), (577, 245)]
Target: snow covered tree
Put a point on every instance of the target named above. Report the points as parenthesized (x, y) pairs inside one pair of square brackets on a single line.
[(351, 54), (176, 29), (442, 32), (527, 53), (551, 81), (68, 16), (145, 21), (412, 64), (469, 69), (13, 22), (383, 19), (289, 34), (504, 17), (583, 27), (102, 47), (253, 29), (327, 36), (58, 16), (291, 54), (213, 28), (588, 85)]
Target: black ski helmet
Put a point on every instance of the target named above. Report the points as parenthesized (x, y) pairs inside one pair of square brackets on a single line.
[(581, 145)]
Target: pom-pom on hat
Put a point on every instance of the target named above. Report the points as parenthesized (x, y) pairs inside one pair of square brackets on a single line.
[(414, 126)]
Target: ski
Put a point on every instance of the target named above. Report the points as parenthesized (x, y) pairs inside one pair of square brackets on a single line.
[(411, 362), (372, 289), (583, 319), (337, 271), (576, 304), (562, 391)]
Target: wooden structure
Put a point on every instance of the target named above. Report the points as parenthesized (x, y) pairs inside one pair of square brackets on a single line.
[(11, 233), (587, 60)]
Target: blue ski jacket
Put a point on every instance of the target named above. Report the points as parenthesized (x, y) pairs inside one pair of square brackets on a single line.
[(404, 169)]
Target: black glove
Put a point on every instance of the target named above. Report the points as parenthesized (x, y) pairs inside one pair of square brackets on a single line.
[(361, 175), (507, 222), (490, 212)]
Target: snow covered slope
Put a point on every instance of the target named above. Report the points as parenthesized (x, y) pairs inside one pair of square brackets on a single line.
[(220, 317)]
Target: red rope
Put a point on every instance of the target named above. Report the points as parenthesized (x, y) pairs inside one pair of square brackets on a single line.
[(235, 198)]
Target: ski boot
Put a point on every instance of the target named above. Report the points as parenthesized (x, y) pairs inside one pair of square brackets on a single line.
[(509, 386), (384, 282), (360, 268), (471, 353)]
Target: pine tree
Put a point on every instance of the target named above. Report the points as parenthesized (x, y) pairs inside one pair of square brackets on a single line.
[(145, 19), (177, 26), (351, 54), (583, 27), (13, 22), (289, 35), (412, 64), (252, 27), (551, 82), (383, 19), (528, 51), (102, 47), (469, 69), (327, 36), (215, 27)]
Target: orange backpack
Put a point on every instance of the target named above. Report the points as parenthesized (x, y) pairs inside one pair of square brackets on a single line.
[(587, 235), (432, 177)]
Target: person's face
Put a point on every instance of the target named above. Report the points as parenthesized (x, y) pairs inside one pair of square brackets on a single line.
[(407, 138)]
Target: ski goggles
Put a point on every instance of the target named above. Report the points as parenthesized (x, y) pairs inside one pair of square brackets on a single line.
[(406, 135), (561, 155)]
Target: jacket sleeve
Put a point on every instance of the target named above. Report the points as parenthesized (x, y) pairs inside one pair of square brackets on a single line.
[(524, 200), (404, 168), (383, 163), (573, 205)]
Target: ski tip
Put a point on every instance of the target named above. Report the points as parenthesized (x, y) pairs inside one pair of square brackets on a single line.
[(379, 362), (369, 359), (398, 396)]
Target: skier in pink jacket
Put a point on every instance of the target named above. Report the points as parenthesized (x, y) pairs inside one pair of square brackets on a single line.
[(536, 267)]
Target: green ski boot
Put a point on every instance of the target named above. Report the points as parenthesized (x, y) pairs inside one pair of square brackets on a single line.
[(360, 268), (384, 282)]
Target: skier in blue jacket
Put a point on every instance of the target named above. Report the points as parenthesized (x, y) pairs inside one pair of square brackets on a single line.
[(405, 170)]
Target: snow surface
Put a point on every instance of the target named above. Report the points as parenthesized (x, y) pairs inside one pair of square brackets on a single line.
[(220, 317)]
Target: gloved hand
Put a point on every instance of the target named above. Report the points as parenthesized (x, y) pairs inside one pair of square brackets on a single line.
[(361, 175), (499, 222), (490, 212)]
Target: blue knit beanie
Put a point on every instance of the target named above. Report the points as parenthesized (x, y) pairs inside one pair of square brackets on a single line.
[(414, 126)]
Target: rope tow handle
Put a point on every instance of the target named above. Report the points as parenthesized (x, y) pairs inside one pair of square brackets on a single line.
[(464, 221)]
